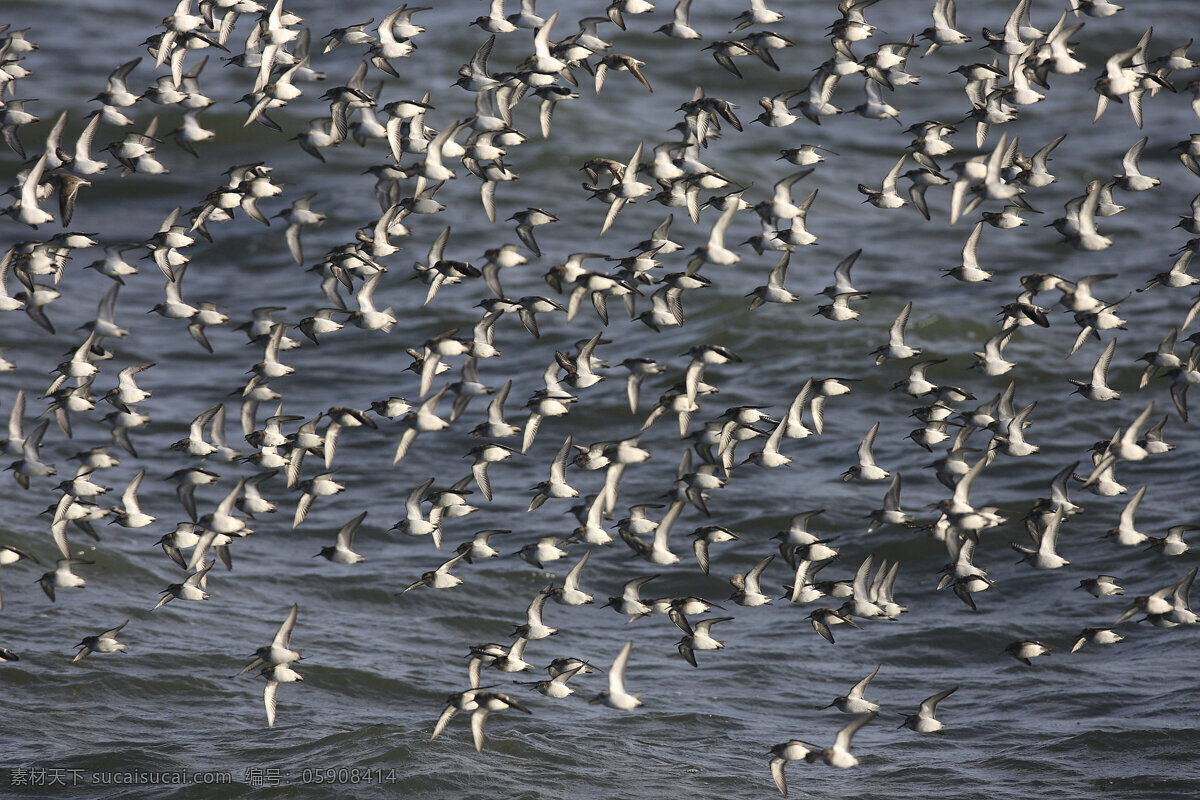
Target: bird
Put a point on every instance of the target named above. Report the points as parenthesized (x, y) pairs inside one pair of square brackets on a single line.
[(25, 210), (887, 195), (616, 696), (534, 628), (706, 536), (696, 636), (1132, 179), (622, 191), (838, 754), (1024, 650), (875, 107), (943, 32), (703, 356), (275, 675), (129, 514), (1096, 636), (1098, 389), (853, 702), (322, 485), (714, 251), (774, 291), (969, 270), (866, 469), (923, 721), (341, 551), (299, 216), (557, 485), (104, 642), (896, 347), (486, 703), (547, 548), (193, 588), (569, 593), (630, 601), (781, 754), (758, 14), (439, 578), (1101, 586), (1173, 543), (680, 26), (556, 686), (748, 586), (1045, 556), (823, 620), (11, 555)]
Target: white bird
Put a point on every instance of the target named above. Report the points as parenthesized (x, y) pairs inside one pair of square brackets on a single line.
[(1096, 636), (25, 210), (875, 107), (487, 703), (1132, 179), (422, 420), (854, 701), (1024, 650), (991, 361), (1098, 389), (543, 62), (969, 270), (696, 637), (1086, 236), (891, 513), (896, 348), (943, 31), (714, 251), (616, 696), (341, 551), (1045, 556), (624, 190), (105, 642), (770, 456), (839, 755), (748, 586), (1126, 532), (758, 14), (190, 589), (279, 651), (923, 721), (557, 687), (866, 469), (322, 485), (61, 577), (275, 675), (774, 291), (569, 594), (534, 628), (557, 485), (30, 464), (680, 27), (781, 754), (630, 601), (129, 514), (439, 578), (415, 522), (860, 603), (887, 196), (82, 163)]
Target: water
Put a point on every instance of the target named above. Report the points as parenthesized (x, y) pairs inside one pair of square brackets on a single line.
[(377, 667)]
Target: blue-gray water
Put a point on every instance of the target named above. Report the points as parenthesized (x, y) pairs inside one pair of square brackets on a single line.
[(1116, 720)]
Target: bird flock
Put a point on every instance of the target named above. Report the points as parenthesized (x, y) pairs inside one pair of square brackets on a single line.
[(537, 339)]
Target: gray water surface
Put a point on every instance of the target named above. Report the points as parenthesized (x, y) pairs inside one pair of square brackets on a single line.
[(1115, 720)]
